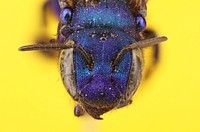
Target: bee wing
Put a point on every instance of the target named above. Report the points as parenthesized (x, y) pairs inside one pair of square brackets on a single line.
[(139, 6)]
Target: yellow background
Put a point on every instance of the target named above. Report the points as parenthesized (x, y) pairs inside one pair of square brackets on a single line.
[(33, 99)]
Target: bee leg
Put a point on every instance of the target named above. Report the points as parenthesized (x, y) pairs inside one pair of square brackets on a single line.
[(124, 103), (156, 52), (50, 5), (46, 6), (78, 111)]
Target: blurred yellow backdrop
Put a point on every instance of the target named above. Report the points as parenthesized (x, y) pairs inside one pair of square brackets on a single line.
[(33, 99)]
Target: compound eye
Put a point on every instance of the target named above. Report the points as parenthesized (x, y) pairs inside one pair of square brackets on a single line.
[(140, 23), (66, 16)]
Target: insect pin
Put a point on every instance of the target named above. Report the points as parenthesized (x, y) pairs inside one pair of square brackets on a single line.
[(101, 59)]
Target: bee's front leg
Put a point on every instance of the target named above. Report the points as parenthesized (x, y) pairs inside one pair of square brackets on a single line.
[(156, 52), (50, 5)]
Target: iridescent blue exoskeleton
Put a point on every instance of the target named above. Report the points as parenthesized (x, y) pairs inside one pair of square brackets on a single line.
[(101, 61)]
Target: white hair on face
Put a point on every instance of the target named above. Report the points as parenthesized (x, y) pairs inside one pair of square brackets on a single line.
[(67, 71)]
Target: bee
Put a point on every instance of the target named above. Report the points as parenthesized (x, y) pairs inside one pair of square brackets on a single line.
[(101, 58)]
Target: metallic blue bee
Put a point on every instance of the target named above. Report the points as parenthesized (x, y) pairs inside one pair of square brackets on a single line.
[(101, 59)]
